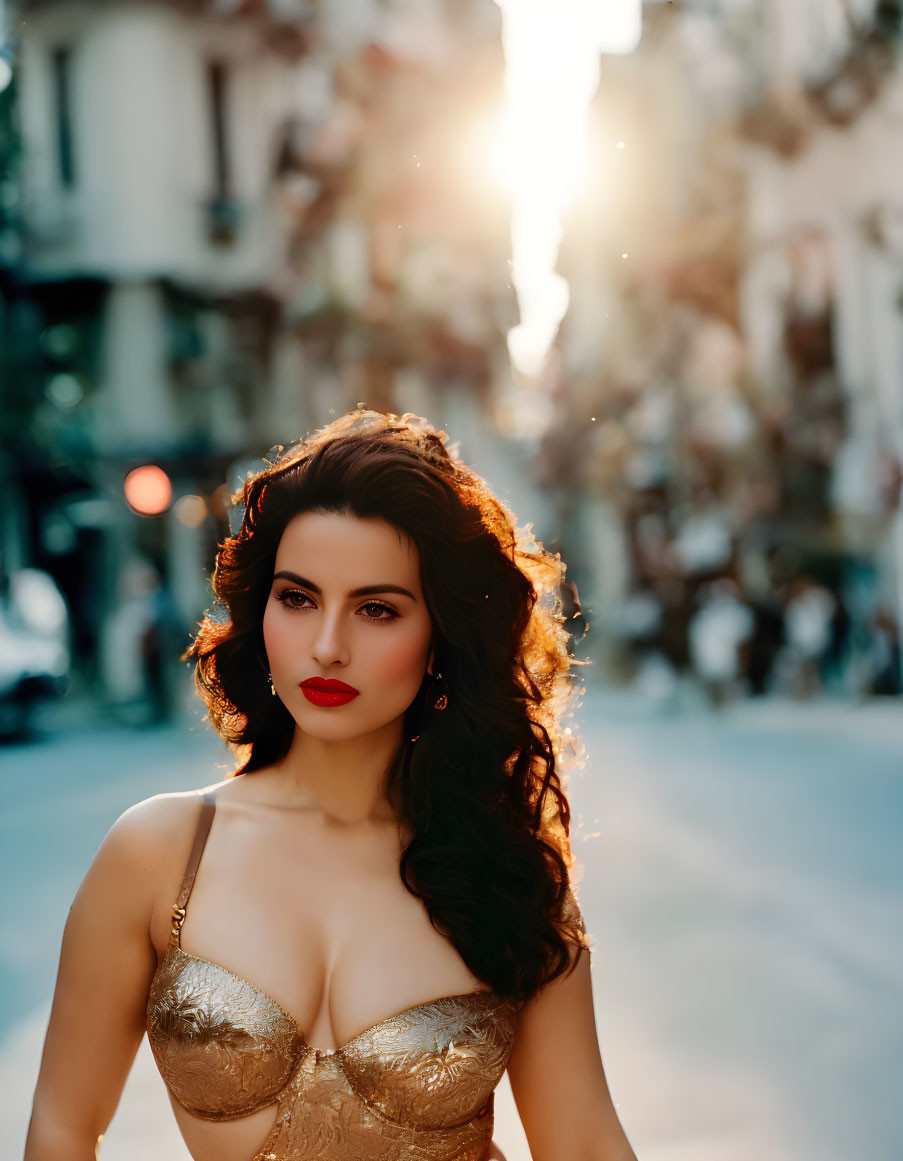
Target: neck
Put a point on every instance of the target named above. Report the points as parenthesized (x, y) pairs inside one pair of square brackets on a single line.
[(346, 780)]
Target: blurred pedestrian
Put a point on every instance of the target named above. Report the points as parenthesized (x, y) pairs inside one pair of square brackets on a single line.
[(721, 624), (808, 618)]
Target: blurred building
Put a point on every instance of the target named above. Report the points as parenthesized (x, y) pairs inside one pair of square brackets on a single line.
[(225, 223), (733, 371)]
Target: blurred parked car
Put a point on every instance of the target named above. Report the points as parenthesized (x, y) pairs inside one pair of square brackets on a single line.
[(34, 647)]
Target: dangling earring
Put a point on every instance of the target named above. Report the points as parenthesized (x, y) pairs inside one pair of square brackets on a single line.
[(432, 700), (270, 682)]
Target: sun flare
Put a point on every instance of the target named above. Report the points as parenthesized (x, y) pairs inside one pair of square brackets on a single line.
[(538, 147)]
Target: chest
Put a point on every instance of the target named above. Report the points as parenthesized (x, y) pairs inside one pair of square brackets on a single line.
[(324, 926)]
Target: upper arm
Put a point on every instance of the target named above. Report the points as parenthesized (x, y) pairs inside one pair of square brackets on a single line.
[(107, 960), (557, 1078)]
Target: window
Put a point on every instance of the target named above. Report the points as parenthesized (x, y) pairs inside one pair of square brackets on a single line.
[(62, 100), (217, 81)]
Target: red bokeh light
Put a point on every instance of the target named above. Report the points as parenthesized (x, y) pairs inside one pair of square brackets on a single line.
[(147, 490)]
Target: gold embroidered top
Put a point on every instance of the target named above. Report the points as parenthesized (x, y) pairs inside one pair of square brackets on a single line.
[(417, 1086)]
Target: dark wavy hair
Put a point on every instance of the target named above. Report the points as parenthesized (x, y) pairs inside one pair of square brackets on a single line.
[(479, 788)]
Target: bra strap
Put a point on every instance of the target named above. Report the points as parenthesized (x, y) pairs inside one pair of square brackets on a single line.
[(208, 807)]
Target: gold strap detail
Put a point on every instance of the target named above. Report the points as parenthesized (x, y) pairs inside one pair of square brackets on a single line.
[(208, 807)]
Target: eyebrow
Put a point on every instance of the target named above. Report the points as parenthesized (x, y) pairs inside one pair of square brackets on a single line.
[(364, 591)]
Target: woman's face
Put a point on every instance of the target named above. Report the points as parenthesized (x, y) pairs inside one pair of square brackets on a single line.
[(319, 624)]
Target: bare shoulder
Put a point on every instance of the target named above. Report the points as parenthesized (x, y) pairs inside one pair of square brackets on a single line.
[(147, 848), (162, 817), (153, 836)]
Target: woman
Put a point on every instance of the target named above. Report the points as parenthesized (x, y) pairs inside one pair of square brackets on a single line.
[(386, 874)]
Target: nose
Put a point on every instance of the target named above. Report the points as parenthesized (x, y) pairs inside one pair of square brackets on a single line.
[(330, 646)]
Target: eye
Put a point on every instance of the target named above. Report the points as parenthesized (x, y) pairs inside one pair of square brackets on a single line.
[(384, 608), (287, 597)]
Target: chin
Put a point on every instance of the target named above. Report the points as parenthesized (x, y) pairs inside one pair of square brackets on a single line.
[(348, 731)]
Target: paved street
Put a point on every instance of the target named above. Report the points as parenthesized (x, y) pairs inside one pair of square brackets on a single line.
[(743, 885)]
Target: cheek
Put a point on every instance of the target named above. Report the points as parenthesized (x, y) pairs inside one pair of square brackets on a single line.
[(275, 643), (403, 659)]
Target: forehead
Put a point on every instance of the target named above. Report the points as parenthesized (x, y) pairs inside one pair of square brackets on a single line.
[(333, 542)]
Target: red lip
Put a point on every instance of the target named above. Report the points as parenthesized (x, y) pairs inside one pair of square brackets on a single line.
[(328, 694), (330, 684)]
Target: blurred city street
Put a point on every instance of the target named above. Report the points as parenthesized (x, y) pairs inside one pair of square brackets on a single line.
[(743, 884)]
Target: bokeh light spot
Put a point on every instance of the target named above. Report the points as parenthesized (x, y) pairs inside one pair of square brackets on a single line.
[(221, 502), (191, 510), (147, 490), (64, 390)]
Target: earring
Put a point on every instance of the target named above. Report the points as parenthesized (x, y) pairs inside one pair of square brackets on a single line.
[(270, 682), (441, 701), (430, 699)]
